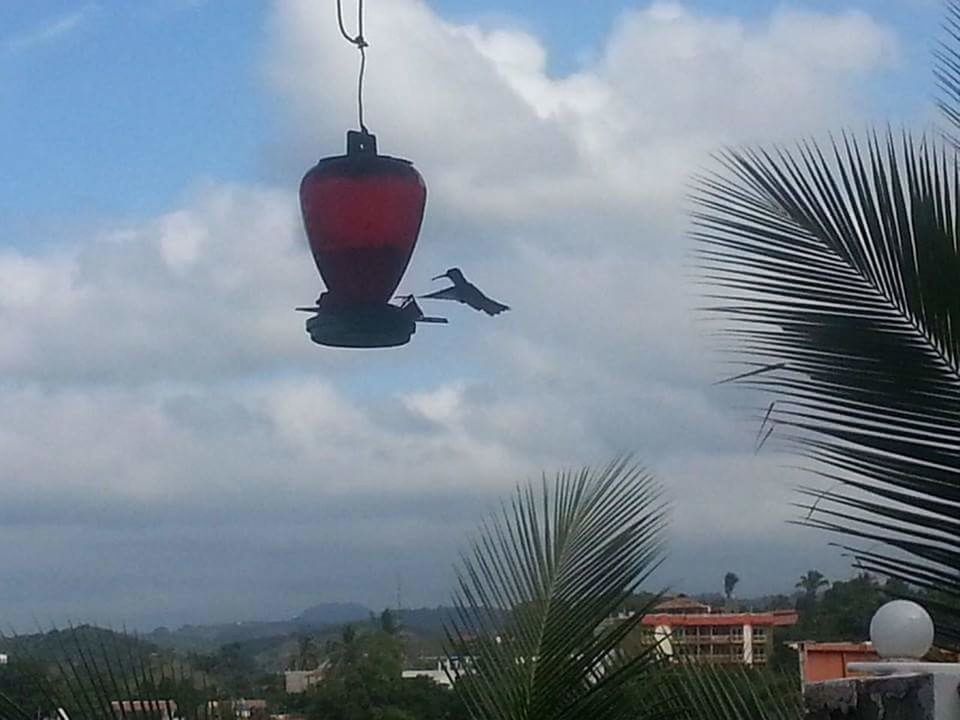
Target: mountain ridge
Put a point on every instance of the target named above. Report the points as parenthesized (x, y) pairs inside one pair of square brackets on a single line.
[(322, 618)]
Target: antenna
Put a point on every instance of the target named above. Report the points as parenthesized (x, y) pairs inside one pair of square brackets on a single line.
[(399, 597)]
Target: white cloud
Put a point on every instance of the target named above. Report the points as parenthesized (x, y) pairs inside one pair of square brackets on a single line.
[(496, 134), (49, 32), (158, 387), (206, 289)]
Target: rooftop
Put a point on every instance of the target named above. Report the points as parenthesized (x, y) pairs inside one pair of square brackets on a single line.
[(777, 618), (682, 604)]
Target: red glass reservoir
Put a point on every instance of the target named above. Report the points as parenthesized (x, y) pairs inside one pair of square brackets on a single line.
[(362, 213)]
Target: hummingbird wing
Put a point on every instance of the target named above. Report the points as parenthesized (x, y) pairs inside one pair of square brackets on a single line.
[(448, 293), (468, 294)]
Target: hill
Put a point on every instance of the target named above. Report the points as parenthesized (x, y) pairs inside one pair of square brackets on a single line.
[(210, 638), (68, 645)]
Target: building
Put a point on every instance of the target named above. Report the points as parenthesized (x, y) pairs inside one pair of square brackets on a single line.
[(241, 709), (250, 709), (685, 628), (299, 681), (440, 670), (683, 605), (828, 660), (437, 674), (820, 661), (148, 709)]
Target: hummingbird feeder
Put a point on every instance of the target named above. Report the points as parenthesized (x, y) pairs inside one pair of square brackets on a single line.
[(362, 213)]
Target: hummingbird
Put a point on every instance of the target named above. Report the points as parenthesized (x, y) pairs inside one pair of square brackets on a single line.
[(465, 292)]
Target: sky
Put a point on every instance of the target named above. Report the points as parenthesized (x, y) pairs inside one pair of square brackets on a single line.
[(174, 449)]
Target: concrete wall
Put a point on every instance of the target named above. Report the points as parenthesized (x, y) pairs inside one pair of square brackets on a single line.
[(895, 697)]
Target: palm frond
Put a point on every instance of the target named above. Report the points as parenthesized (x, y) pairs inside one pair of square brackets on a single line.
[(537, 592), (947, 66), (729, 692), (838, 270), (88, 673)]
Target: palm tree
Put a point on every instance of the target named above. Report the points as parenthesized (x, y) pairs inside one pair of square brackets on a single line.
[(537, 591), (835, 270), (730, 581), (535, 606), (811, 582)]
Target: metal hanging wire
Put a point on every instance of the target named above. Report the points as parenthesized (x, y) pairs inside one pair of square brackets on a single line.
[(361, 44)]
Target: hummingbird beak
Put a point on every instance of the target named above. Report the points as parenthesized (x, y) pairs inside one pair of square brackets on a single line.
[(439, 276)]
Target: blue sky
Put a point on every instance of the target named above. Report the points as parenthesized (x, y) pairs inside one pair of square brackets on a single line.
[(114, 109), (165, 424), (117, 113)]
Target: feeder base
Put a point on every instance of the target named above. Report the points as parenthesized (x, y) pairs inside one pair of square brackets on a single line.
[(379, 326)]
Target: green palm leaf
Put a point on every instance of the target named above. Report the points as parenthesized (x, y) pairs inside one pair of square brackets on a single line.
[(537, 590), (837, 272), (711, 692), (91, 674), (947, 66)]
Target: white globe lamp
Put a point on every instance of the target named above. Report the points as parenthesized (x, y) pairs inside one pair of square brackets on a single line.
[(901, 630)]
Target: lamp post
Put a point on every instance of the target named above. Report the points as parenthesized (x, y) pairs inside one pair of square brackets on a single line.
[(902, 634), (902, 631)]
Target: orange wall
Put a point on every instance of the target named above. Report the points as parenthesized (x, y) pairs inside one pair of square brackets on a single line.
[(831, 664)]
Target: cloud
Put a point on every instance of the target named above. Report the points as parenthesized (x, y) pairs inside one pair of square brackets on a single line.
[(49, 32), (166, 425), (201, 290), (496, 134)]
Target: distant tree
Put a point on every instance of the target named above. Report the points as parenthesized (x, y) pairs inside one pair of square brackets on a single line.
[(423, 699), (842, 612), (846, 609), (308, 655), (778, 602), (235, 671), (19, 683), (343, 653), (395, 713), (897, 588), (811, 582), (364, 682), (730, 581), (388, 622)]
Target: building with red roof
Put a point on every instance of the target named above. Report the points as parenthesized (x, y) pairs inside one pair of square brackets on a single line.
[(685, 628)]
